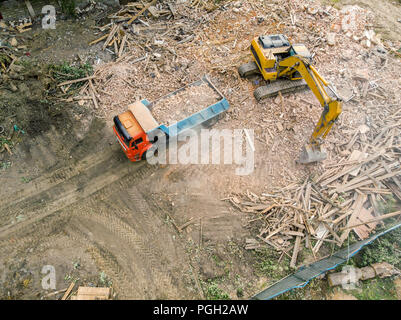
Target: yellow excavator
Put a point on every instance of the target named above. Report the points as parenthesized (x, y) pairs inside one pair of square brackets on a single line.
[(288, 68)]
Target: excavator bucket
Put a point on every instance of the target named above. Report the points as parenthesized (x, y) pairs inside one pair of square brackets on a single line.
[(311, 154)]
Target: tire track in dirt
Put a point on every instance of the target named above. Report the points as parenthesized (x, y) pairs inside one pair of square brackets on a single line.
[(20, 246), (111, 214), (38, 233), (52, 179), (107, 183), (71, 201), (108, 263), (123, 282), (108, 213), (149, 255), (150, 219)]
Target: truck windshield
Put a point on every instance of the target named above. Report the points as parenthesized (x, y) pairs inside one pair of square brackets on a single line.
[(121, 130), (134, 143)]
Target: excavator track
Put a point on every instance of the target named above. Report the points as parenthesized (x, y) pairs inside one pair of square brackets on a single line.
[(283, 86), (248, 69)]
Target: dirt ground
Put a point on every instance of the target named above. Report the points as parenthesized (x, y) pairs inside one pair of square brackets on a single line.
[(70, 199), (386, 18), (397, 283)]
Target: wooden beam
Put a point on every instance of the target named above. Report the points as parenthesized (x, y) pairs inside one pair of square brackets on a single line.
[(140, 12), (65, 296), (385, 216), (364, 183), (75, 81), (98, 39), (110, 36), (357, 209), (346, 171), (30, 9), (295, 252)]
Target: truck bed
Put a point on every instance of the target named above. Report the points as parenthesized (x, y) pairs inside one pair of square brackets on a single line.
[(203, 103), (184, 102)]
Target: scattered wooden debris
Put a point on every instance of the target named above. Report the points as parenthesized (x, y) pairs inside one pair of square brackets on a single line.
[(68, 291), (6, 146), (326, 208), (186, 224), (75, 81), (30, 9), (55, 293), (24, 27), (92, 293), (117, 35), (146, 7)]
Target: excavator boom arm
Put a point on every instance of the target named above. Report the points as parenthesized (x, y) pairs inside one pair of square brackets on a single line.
[(331, 108)]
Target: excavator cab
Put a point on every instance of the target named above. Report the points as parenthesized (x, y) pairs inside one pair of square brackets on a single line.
[(266, 52)]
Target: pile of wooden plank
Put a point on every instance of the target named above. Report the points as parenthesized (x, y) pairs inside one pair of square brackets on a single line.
[(116, 35), (352, 194), (14, 26), (92, 293)]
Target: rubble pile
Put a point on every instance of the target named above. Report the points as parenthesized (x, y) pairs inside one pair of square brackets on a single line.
[(184, 103)]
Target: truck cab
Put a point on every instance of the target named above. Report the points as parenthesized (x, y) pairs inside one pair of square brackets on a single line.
[(131, 127)]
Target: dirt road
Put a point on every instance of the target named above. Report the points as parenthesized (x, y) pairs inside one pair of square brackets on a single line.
[(93, 203), (90, 204)]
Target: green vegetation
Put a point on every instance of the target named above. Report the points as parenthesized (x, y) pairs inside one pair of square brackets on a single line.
[(314, 289), (376, 289), (4, 141), (26, 63), (76, 264), (5, 61), (213, 292), (384, 249), (68, 7), (25, 179), (388, 205), (65, 72), (268, 266), (70, 278), (105, 280), (5, 165), (240, 292)]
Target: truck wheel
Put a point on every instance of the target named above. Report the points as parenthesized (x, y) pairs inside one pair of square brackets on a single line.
[(144, 155)]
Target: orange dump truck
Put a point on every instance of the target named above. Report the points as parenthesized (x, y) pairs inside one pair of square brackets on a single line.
[(135, 127)]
